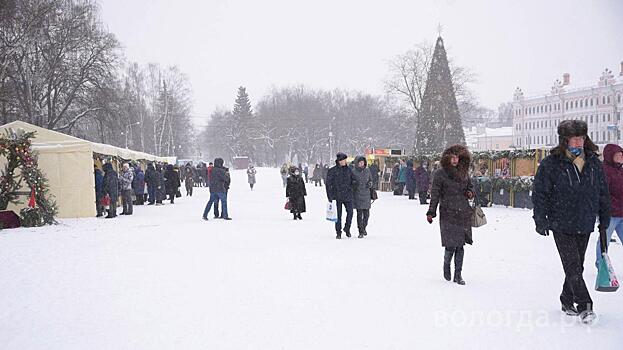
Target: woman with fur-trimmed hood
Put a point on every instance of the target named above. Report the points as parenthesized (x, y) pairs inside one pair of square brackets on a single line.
[(451, 191)]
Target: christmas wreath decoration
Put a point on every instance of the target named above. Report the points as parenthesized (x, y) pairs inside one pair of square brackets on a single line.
[(16, 147)]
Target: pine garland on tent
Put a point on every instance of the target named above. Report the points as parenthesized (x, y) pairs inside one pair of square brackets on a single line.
[(493, 155), (16, 147)]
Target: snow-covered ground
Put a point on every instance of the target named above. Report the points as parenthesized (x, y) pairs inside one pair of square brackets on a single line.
[(165, 279)]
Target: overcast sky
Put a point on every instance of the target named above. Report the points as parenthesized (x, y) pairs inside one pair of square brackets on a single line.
[(223, 44)]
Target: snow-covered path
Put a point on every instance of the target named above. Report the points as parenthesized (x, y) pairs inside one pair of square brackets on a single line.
[(165, 279)]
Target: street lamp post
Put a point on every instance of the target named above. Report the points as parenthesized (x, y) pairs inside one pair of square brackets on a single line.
[(127, 131)]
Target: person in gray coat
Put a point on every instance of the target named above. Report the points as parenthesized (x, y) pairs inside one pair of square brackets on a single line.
[(125, 180), (451, 191), (362, 199)]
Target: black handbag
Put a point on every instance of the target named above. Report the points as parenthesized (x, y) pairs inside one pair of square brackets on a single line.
[(373, 195)]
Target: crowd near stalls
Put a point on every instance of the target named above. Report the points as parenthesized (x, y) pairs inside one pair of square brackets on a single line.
[(68, 163)]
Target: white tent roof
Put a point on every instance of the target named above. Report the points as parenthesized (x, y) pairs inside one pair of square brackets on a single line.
[(49, 138)]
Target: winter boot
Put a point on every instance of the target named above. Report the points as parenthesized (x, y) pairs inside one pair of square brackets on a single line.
[(588, 316), (338, 235), (299, 216), (447, 259), (295, 217), (347, 233), (458, 266), (570, 310), (360, 235)]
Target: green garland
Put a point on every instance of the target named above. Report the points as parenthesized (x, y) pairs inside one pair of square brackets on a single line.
[(16, 147), (515, 184), (492, 155)]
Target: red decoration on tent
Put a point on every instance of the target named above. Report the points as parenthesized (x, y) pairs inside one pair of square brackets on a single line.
[(32, 201)]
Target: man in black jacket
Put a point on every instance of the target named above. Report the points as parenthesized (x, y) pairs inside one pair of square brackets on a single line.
[(570, 191), (340, 184), (219, 184), (111, 188)]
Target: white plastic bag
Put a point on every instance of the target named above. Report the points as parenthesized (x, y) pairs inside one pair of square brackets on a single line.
[(332, 211)]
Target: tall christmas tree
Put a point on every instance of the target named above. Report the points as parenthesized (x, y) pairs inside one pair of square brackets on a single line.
[(439, 122), (243, 124)]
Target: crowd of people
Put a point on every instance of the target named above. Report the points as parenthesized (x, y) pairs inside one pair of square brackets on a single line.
[(572, 189), (159, 182)]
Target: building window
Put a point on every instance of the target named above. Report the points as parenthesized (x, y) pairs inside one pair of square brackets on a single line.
[(604, 136), (608, 99), (603, 100), (603, 118), (608, 116), (619, 99)]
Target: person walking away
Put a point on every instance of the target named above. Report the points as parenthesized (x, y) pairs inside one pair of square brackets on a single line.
[(251, 176), (111, 188), (451, 192), (189, 181), (295, 192), (219, 184), (362, 197), (613, 169), (125, 179), (138, 185), (570, 192), (306, 172), (99, 191), (151, 180), (284, 174), (394, 179), (410, 179), (171, 182), (375, 174), (317, 175), (422, 182), (339, 185)]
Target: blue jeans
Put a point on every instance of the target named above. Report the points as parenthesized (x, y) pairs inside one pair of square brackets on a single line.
[(349, 216), (222, 196), (615, 224), (151, 190)]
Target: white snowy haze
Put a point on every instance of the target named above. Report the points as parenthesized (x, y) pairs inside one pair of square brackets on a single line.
[(326, 44)]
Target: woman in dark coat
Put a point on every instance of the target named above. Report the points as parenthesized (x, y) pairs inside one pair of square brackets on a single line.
[(422, 181), (411, 181), (362, 199), (451, 191), (171, 182), (295, 191), (159, 185)]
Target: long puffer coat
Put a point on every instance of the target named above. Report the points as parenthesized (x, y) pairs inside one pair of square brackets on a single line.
[(296, 192), (171, 180), (363, 184), (450, 185)]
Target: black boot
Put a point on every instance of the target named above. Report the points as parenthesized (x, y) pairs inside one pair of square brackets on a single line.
[(338, 235), (587, 316), (295, 216), (447, 258), (458, 265), (299, 216), (347, 233)]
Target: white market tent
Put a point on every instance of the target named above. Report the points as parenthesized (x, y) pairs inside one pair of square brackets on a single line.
[(67, 162)]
